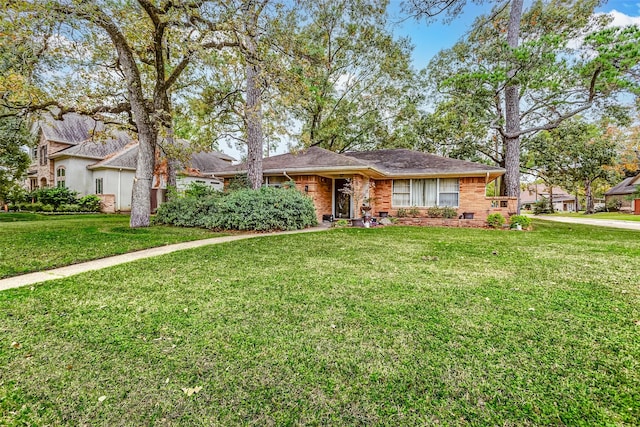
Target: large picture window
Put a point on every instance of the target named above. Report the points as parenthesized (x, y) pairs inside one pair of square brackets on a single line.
[(426, 192)]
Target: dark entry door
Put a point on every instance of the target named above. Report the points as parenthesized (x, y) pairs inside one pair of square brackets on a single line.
[(342, 201)]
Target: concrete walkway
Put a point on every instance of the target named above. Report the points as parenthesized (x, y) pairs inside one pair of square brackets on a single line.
[(70, 270), (614, 223)]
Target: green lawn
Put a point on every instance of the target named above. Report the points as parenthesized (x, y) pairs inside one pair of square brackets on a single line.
[(600, 215), (385, 326), (32, 242)]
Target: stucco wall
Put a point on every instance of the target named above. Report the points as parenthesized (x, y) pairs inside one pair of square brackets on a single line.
[(77, 176), (110, 179)]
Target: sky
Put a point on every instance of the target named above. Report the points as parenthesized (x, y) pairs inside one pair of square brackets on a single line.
[(429, 39)]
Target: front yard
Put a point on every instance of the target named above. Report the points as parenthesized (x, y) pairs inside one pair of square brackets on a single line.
[(600, 215), (391, 326), (32, 242)]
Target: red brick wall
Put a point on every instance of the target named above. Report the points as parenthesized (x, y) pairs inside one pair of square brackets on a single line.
[(472, 199), (47, 171), (319, 189)]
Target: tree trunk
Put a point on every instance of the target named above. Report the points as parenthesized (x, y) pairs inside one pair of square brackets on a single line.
[(589, 208), (253, 108), (512, 110)]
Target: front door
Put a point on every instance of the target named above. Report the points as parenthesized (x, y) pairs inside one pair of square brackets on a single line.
[(637, 207), (342, 201)]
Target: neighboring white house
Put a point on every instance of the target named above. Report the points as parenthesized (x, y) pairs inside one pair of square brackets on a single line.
[(79, 154)]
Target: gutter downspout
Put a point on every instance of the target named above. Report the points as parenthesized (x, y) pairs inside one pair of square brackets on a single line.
[(118, 207)]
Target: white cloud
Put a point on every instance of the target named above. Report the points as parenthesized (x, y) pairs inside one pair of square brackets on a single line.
[(622, 20)]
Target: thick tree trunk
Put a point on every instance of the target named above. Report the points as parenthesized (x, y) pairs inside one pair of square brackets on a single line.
[(512, 110), (589, 208), (253, 108)]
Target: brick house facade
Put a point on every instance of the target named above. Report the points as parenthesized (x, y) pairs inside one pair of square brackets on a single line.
[(376, 178)]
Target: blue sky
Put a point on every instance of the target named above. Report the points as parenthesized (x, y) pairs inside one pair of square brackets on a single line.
[(429, 39)]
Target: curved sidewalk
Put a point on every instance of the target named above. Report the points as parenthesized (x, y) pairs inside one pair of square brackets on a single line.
[(70, 270), (614, 223)]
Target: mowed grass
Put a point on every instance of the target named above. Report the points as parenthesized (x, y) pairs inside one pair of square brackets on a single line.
[(386, 326), (600, 215), (32, 242)]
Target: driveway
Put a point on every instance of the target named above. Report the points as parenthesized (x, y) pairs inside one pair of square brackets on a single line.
[(614, 223)]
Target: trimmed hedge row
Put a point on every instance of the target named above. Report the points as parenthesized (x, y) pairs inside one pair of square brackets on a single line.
[(265, 209)]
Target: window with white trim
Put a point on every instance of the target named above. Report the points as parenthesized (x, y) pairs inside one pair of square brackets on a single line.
[(60, 177), (426, 192), (275, 181), (99, 185)]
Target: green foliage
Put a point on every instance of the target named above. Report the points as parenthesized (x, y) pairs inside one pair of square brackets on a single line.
[(238, 182), (89, 203), (496, 220), (402, 213), (198, 190), (449, 212), (542, 206), (264, 209), (55, 196), (414, 211), (13, 160), (613, 205), (435, 212), (341, 223), (522, 220)]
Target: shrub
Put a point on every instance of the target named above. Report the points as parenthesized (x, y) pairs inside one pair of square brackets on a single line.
[(542, 206), (198, 190), (402, 213), (261, 210), (496, 220), (341, 223), (68, 208), (414, 212), (89, 203), (435, 212), (449, 212), (613, 205), (47, 208), (55, 196), (524, 221)]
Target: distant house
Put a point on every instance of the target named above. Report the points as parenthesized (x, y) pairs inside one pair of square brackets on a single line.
[(388, 180), (560, 199), (622, 193), (80, 154)]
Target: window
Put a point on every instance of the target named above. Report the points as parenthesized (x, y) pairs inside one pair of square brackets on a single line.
[(426, 192), (401, 192), (33, 183), (99, 186), (34, 154), (60, 177), (275, 181), (43, 155)]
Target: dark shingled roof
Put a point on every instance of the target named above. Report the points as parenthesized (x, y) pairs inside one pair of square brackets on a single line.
[(97, 147), (312, 158), (397, 162), (126, 158), (627, 186), (209, 162), (392, 163), (73, 129)]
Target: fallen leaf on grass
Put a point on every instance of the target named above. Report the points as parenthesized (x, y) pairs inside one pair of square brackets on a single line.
[(16, 345), (191, 391), (637, 322), (102, 398)]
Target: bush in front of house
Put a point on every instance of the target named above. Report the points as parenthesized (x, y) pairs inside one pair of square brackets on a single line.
[(245, 209), (89, 203), (523, 221), (55, 196), (496, 220)]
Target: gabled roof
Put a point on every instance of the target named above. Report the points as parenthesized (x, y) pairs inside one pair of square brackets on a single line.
[(627, 186), (126, 158), (97, 147), (72, 130), (535, 192), (209, 161), (378, 164)]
